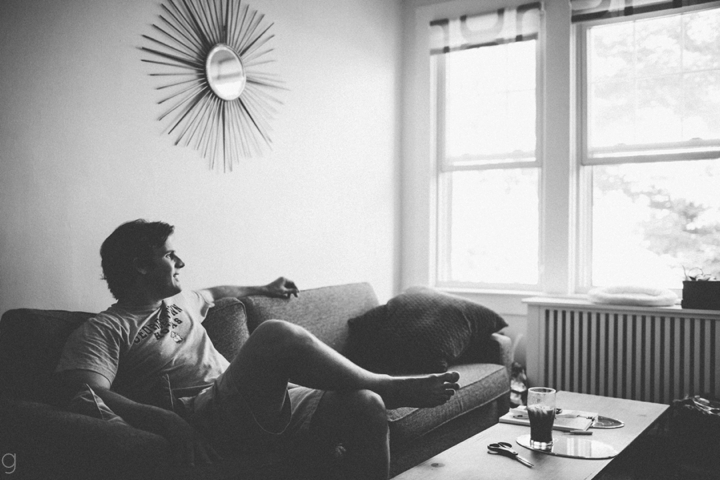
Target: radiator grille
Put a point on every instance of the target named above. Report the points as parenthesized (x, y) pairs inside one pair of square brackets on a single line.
[(656, 355)]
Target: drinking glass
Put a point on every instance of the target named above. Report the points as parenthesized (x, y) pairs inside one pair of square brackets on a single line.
[(541, 410)]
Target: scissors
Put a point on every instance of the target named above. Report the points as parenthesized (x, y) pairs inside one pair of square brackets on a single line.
[(505, 449)]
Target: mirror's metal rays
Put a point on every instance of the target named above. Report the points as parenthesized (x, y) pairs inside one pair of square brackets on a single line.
[(211, 53)]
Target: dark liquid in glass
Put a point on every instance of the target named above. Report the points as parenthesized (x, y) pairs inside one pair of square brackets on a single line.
[(541, 423)]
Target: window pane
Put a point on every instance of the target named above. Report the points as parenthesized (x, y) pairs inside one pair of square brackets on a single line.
[(651, 220), (654, 81), (702, 40), (493, 226), (658, 46), (490, 101), (702, 97), (659, 110), (611, 52), (613, 119)]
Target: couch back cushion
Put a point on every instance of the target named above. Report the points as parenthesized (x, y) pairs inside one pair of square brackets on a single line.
[(31, 342), (324, 311)]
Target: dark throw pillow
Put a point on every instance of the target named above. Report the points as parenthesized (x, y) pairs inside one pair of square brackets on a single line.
[(420, 331)]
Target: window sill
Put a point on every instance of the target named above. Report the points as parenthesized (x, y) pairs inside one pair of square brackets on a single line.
[(582, 302)]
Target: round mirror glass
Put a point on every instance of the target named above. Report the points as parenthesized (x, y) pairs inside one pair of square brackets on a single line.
[(225, 72)]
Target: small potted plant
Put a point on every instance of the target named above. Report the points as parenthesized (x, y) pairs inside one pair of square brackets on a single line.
[(700, 291)]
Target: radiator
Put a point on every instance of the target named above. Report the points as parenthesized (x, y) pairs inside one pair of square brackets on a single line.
[(641, 353)]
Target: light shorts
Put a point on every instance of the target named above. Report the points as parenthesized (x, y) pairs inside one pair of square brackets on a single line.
[(221, 413)]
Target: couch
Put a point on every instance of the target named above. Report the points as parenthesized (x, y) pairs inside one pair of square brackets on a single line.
[(48, 442)]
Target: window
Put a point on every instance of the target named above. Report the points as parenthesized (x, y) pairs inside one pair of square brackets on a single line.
[(488, 169), (586, 153), (650, 149)]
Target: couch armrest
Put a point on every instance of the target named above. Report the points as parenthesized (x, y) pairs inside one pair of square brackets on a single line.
[(226, 325), (498, 349)]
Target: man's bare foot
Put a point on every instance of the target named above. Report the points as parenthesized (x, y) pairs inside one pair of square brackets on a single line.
[(422, 391)]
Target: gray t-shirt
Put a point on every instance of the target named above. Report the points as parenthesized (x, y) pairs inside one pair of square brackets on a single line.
[(134, 346)]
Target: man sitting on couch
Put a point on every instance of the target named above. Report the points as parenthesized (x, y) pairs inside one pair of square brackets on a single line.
[(154, 331)]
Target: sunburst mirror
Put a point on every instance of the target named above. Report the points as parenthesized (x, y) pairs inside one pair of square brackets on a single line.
[(212, 55)]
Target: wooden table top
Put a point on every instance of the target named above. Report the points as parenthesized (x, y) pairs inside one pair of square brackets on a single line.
[(470, 460)]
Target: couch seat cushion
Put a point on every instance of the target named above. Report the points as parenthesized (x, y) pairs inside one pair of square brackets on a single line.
[(480, 383)]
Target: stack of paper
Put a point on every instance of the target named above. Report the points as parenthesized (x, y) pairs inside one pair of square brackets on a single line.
[(565, 421)]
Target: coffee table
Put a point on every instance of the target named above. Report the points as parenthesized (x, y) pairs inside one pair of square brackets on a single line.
[(470, 460)]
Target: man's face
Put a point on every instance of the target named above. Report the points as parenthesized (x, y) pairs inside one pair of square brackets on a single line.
[(163, 270)]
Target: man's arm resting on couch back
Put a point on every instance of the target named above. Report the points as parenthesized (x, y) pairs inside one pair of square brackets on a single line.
[(186, 443), (282, 288)]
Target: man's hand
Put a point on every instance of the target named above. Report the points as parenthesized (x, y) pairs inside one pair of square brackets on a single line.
[(282, 288), (187, 445)]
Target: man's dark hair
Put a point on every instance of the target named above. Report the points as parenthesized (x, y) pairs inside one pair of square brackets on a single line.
[(130, 241)]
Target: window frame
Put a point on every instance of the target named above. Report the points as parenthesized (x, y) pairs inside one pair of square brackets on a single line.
[(580, 39), (585, 161), (444, 169), (418, 168)]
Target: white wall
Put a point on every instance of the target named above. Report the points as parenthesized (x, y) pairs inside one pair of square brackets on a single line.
[(81, 151)]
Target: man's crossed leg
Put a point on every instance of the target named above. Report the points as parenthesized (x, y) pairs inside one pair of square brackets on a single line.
[(352, 407)]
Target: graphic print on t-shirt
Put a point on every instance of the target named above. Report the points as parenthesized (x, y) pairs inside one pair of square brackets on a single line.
[(166, 322)]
